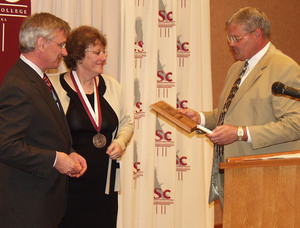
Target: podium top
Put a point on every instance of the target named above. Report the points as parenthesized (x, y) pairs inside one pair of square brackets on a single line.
[(261, 160)]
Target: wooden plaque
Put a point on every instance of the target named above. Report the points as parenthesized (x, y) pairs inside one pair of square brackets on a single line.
[(170, 113)]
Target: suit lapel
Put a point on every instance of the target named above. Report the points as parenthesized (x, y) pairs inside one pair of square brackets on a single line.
[(49, 99), (63, 116), (42, 88), (253, 76)]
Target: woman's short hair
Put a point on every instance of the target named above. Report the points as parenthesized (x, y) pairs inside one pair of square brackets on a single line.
[(39, 25), (78, 41), (253, 18)]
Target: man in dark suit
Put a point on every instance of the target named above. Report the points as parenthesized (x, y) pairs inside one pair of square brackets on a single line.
[(35, 143)]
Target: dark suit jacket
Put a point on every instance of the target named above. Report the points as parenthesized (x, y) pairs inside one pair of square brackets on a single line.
[(32, 128)]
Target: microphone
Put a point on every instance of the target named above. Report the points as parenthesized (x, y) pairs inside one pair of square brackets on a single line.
[(280, 88)]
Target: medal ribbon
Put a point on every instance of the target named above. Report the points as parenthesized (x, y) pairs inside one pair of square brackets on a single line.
[(95, 116)]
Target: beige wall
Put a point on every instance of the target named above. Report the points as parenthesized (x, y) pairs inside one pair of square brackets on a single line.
[(285, 32)]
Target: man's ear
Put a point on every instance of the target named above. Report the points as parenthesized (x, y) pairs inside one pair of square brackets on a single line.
[(40, 43), (258, 33)]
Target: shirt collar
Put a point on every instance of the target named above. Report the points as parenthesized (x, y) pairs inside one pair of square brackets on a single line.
[(254, 60), (32, 65)]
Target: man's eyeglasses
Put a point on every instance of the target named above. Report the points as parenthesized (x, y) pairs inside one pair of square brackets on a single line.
[(98, 52), (236, 39), (61, 45)]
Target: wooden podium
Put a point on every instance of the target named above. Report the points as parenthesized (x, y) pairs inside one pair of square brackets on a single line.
[(262, 191)]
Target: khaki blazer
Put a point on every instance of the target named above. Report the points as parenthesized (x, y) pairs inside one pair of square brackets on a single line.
[(273, 121)]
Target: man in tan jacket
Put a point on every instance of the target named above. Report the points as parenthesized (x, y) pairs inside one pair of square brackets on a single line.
[(250, 119)]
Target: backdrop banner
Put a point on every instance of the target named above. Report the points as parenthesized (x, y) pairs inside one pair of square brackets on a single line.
[(12, 14), (158, 50)]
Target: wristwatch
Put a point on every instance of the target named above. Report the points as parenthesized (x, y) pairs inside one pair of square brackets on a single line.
[(240, 133)]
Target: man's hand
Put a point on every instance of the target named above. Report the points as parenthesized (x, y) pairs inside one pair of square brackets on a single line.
[(224, 134), (191, 114), (114, 150), (82, 162), (73, 166)]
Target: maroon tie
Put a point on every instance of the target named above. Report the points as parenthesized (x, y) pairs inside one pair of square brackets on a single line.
[(47, 81)]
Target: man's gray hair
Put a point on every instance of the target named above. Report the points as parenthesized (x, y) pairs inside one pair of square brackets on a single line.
[(253, 18), (39, 25)]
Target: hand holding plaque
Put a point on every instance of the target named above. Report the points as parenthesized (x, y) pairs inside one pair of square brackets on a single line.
[(177, 118)]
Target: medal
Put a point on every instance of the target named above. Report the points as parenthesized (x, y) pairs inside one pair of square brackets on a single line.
[(99, 140)]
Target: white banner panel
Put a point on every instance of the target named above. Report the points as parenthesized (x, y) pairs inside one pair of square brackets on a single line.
[(158, 50)]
